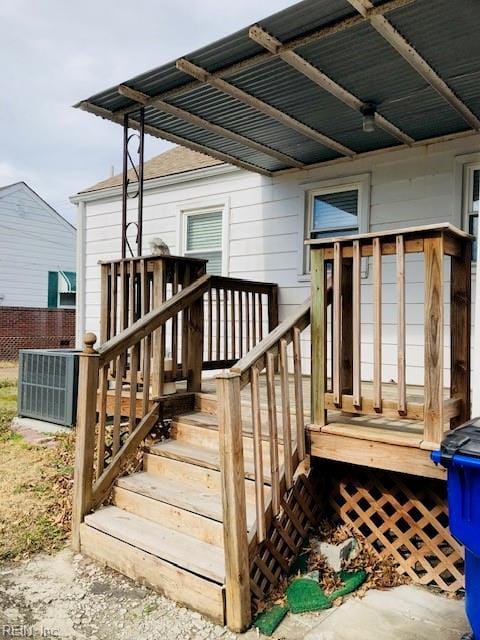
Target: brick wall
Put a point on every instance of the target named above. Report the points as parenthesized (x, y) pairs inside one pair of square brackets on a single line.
[(33, 328)]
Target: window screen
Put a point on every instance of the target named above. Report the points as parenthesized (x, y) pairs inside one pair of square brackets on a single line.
[(204, 239), (335, 214)]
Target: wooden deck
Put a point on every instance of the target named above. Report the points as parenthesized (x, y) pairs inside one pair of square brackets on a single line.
[(389, 442)]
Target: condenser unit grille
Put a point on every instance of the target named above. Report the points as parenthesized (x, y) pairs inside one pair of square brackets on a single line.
[(48, 380)]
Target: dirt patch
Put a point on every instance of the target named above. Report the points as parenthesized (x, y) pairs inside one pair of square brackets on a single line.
[(8, 370), (74, 598), (35, 488)]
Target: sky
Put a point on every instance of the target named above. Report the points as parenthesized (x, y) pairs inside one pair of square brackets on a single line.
[(54, 53)]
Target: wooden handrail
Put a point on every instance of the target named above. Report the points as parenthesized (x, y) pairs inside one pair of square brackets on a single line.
[(154, 319)]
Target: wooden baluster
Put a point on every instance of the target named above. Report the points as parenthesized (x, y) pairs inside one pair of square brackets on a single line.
[(159, 291), (254, 320), (234, 328), (247, 314), (195, 346), (147, 345), (346, 359), (117, 416), (319, 336), (260, 316), (209, 321), (273, 433), (401, 364), (133, 351), (273, 308), (434, 323), (175, 282), (237, 567), (337, 323), (298, 385), (377, 325), (225, 324), (102, 415), (85, 436), (240, 321), (460, 327), (357, 325), (105, 303), (113, 305), (286, 417), (186, 282), (258, 454), (218, 324)]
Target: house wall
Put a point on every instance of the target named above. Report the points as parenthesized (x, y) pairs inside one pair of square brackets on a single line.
[(33, 241), (265, 230)]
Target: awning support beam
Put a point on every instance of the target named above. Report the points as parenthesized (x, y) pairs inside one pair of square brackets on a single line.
[(187, 116), (170, 137), (295, 43), (290, 57), (263, 107), (421, 66)]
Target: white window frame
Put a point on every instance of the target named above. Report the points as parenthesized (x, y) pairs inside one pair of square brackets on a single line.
[(197, 208), (467, 198), (64, 306), (359, 182)]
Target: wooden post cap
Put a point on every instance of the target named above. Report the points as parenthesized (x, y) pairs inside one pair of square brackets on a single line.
[(89, 339)]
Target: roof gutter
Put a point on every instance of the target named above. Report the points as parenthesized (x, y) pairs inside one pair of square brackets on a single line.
[(157, 183)]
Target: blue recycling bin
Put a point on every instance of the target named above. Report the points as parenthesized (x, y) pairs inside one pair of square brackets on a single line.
[(460, 455)]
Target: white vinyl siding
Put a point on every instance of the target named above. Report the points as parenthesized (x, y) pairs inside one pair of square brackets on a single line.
[(266, 226), (203, 238)]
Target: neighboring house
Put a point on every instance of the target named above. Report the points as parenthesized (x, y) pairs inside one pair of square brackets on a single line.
[(254, 227), (37, 273)]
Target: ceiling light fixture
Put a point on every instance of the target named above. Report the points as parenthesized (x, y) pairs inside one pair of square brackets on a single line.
[(368, 113)]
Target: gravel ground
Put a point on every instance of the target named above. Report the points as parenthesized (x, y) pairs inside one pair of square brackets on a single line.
[(67, 596), (70, 597)]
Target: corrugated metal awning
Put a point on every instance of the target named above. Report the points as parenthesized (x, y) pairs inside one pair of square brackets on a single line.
[(291, 91)]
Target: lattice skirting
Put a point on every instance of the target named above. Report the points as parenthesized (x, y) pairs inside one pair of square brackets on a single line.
[(272, 559), (400, 516)]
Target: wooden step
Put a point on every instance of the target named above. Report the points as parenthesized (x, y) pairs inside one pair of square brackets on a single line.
[(202, 429), (178, 548), (195, 500), (142, 566), (202, 457), (192, 475), (173, 517)]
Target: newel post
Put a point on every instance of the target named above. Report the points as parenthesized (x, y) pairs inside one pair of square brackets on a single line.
[(237, 570), (85, 435)]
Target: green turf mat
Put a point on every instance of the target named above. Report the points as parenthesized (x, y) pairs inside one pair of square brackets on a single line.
[(268, 620), (351, 581), (305, 594)]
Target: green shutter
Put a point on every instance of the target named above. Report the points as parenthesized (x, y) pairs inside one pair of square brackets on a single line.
[(52, 289)]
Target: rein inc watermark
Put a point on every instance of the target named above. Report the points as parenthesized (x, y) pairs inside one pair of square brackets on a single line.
[(27, 631)]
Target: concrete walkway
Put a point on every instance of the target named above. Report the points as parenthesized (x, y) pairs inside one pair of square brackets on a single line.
[(72, 598), (404, 613)]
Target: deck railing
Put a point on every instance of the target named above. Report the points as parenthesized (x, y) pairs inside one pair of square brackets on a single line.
[(343, 258), (277, 451), (236, 313), (120, 395)]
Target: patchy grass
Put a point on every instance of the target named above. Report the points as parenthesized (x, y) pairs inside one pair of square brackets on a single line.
[(35, 488)]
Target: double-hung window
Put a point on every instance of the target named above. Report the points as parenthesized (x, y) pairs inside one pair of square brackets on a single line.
[(203, 238), (339, 208), (472, 200)]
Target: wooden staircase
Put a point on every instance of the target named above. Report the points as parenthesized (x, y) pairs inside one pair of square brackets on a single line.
[(222, 505), (164, 526)]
